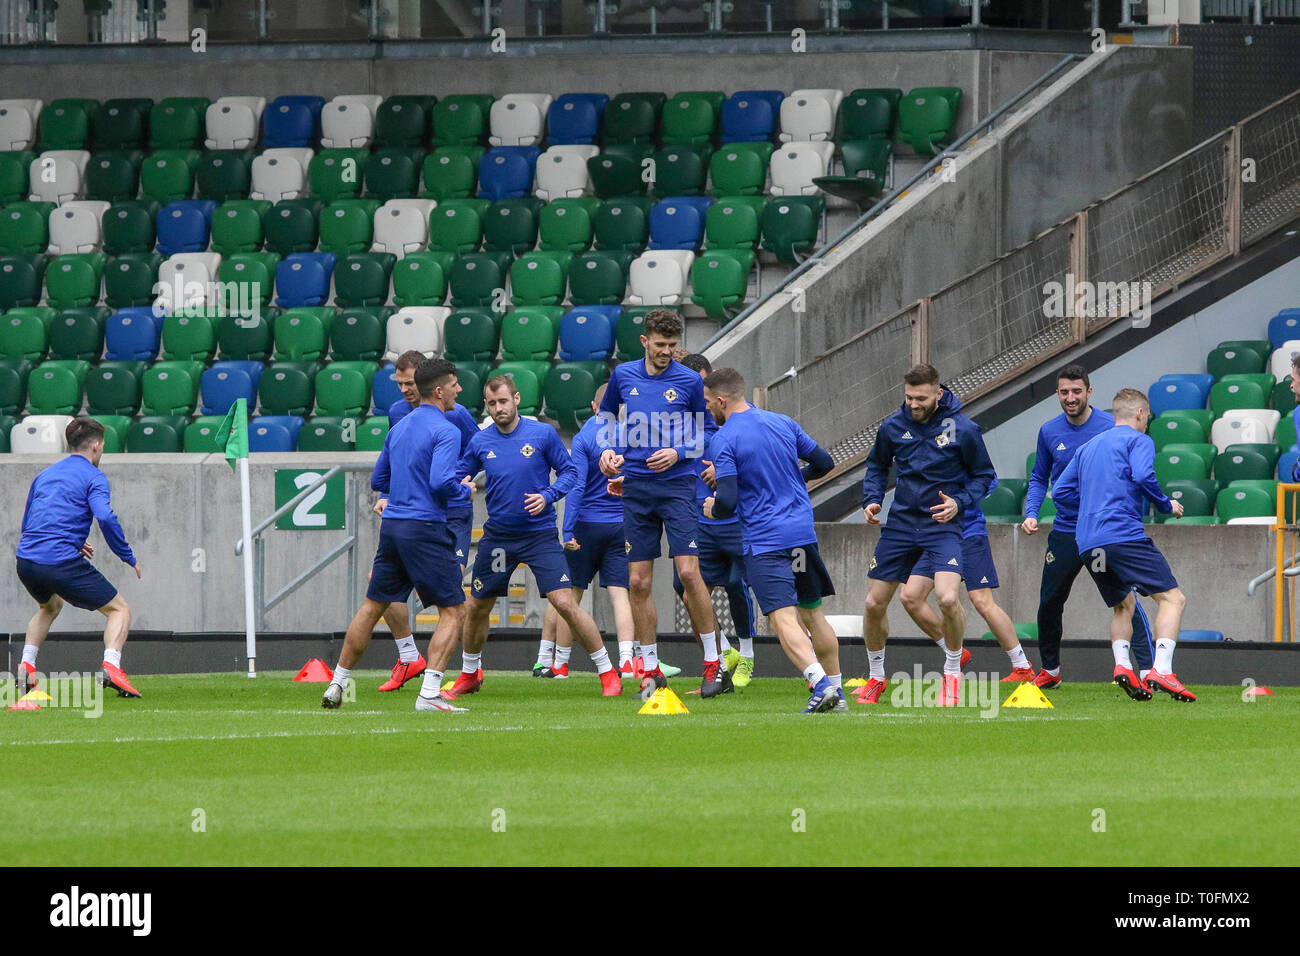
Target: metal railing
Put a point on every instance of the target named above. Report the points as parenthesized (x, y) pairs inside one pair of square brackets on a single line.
[(1286, 567), (352, 509), (1104, 264)]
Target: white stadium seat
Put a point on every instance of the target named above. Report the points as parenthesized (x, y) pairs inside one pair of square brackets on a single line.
[(415, 327), (402, 226), (1280, 363), (58, 175), (39, 435), (179, 274), (348, 122), (232, 122), (1255, 519), (280, 174), (518, 119), (809, 115), (795, 166), (18, 124), (1248, 426), (562, 172), (75, 227), (659, 277)]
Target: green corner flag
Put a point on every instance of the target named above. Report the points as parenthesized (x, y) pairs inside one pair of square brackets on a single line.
[(233, 432)]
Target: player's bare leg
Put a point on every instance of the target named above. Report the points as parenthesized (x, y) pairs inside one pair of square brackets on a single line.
[(699, 604), (947, 590), (624, 628), (581, 625), (554, 631), (875, 630), (409, 662), (473, 635), (451, 621), (915, 598), (38, 629), (1004, 631), (788, 626), (1121, 634), (826, 645), (1169, 619), (355, 643)]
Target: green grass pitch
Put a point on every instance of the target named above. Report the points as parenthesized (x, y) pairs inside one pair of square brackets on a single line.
[(223, 770)]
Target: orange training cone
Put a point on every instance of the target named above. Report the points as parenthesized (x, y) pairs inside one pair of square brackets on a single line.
[(1258, 692), (315, 671), (25, 705)]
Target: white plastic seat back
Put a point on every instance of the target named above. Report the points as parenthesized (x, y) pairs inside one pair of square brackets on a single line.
[(348, 122), (809, 115), (659, 277), (18, 120), (417, 327), (562, 172), (39, 435), (189, 279), (518, 119), (232, 122), (402, 226), (75, 227), (58, 175), (1280, 363), (1249, 426), (795, 166), (280, 174)]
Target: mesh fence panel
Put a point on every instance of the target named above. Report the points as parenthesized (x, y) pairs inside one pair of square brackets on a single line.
[(1272, 142), (1164, 226), (839, 398), (998, 320)]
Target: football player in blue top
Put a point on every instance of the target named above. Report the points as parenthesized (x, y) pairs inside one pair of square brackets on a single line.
[(518, 455), (53, 554), (943, 472)]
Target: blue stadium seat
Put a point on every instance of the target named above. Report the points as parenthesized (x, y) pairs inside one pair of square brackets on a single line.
[(677, 222), (750, 116), (506, 172), (587, 333), (225, 382), (292, 121), (1175, 393), (1286, 462), (185, 226), (1284, 327), (384, 390), (303, 279), (133, 335), (1200, 636), (1201, 380), (274, 433), (574, 119)]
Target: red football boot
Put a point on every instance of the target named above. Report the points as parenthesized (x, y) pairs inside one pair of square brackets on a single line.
[(466, 684), (1019, 675), (611, 684), (1170, 684), (114, 678), (1046, 681), (965, 658), (402, 672), (869, 693), (1132, 684), (950, 692)]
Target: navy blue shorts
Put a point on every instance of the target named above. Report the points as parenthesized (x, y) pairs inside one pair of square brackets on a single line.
[(977, 568), (498, 556), (416, 554), (793, 576), (601, 548), (722, 553), (461, 525), (652, 506), (1132, 564), (900, 555), (77, 581)]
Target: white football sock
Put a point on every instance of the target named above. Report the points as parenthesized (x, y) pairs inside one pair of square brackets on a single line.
[(406, 652), (1018, 658), (814, 673), (1120, 650), (837, 680), (747, 647), (724, 645), (29, 654), (601, 660), (470, 663), (432, 685), (341, 675), (650, 656), (624, 652), (115, 658), (545, 653), (1054, 671), (562, 655), (1164, 663), (951, 660), (710, 644), (876, 664)]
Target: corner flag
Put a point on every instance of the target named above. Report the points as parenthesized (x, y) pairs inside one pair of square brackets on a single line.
[(233, 432)]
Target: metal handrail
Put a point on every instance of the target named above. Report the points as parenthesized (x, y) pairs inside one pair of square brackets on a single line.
[(875, 211)]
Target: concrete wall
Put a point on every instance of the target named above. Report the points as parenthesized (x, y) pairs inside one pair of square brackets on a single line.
[(1067, 146)]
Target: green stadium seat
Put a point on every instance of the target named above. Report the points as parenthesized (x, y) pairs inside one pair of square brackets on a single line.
[(286, 389), (343, 388), (471, 335), (456, 226), (21, 280), (1261, 347), (633, 118), (241, 339), (76, 280), (623, 225), (569, 390), (129, 227), (869, 113), (540, 278), (177, 122), (112, 176), (566, 225), (530, 334), (510, 225), (927, 117), (1226, 396), (157, 434), (1232, 466), (249, 274), (1246, 500), (338, 173), (451, 172), (201, 435), (65, 124), (300, 335), (1264, 380), (404, 120), (393, 173), (25, 227), (237, 226), (692, 117), (678, 172), (1177, 464), (57, 387), (188, 338), (348, 225), (627, 333), (168, 175), (790, 227), (292, 225), (620, 171), (1285, 435), (419, 279), (15, 169), (113, 388), (462, 119), (736, 170), (329, 433), (23, 335), (1201, 450), (471, 376), (732, 223), (1001, 502), (720, 280), (170, 388), (1199, 417), (372, 432), (121, 123), (14, 374), (129, 280), (476, 277), (1282, 398), (357, 334), (866, 167), (224, 175), (598, 278), (78, 333), (1231, 359), (362, 278), (1268, 451), (115, 429), (528, 377)]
